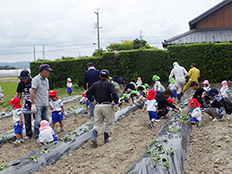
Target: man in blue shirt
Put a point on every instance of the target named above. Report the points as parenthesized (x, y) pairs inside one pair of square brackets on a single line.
[(91, 76)]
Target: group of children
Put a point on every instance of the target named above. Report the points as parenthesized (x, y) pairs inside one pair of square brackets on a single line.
[(46, 132), (141, 92)]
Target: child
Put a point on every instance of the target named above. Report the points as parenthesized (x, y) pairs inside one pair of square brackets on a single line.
[(69, 86), (139, 81), (206, 85), (195, 115), (17, 117), (46, 134), (58, 110), (84, 100), (132, 95), (158, 88), (142, 95), (152, 107), (146, 86), (224, 91), (173, 87), (124, 100)]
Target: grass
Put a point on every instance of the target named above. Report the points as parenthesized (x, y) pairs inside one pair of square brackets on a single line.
[(10, 87)]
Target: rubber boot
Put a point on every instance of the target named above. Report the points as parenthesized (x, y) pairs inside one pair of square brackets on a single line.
[(94, 138), (106, 137), (178, 98)]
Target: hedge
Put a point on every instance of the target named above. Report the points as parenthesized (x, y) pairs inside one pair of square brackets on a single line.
[(213, 59)]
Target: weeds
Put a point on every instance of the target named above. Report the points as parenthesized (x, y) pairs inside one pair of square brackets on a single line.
[(3, 165), (34, 158)]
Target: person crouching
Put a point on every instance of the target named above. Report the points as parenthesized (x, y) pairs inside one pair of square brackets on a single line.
[(195, 115), (46, 134)]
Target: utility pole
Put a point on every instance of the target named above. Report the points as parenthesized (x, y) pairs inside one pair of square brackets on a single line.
[(34, 52), (97, 26), (43, 52)]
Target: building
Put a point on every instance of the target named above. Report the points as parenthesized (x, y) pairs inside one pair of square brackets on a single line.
[(214, 25)]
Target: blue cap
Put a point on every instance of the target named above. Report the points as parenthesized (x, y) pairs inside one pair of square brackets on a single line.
[(45, 67), (104, 73), (212, 92)]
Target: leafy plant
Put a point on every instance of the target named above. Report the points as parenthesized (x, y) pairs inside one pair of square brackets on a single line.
[(34, 158), (66, 139), (173, 129), (3, 165), (44, 151), (5, 139), (86, 130), (166, 164)]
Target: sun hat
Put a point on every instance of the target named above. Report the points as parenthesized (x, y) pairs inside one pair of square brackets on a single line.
[(205, 82), (147, 86), (104, 73), (172, 80), (16, 102), (69, 79), (110, 78), (212, 92), (45, 67), (224, 84), (24, 74), (139, 79), (155, 77), (44, 125), (52, 93), (175, 63), (116, 87), (133, 92), (151, 95), (124, 96), (170, 100), (193, 102)]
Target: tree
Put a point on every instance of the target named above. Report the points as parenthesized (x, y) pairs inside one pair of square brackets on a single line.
[(140, 44), (98, 53), (125, 47)]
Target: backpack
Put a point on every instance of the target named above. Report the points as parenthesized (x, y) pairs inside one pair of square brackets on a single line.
[(227, 105)]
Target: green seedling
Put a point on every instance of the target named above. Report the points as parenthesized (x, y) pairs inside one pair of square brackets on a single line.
[(149, 151), (166, 164), (173, 129), (44, 151), (5, 139), (164, 159), (86, 130), (172, 152), (70, 130), (34, 158), (92, 119), (3, 165)]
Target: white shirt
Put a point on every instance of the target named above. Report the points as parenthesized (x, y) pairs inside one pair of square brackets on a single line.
[(16, 115), (179, 72), (46, 135), (224, 92), (207, 88), (172, 86), (57, 105), (196, 113), (151, 104), (160, 87), (69, 84)]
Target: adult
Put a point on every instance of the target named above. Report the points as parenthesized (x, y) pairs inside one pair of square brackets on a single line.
[(193, 74), (198, 94), (24, 87), (103, 92), (39, 96), (121, 81), (216, 109), (90, 76), (163, 104), (180, 73)]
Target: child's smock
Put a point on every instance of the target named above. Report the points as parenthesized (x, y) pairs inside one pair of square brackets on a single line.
[(57, 105), (160, 87), (46, 135), (224, 92), (16, 115), (151, 105), (172, 86), (196, 113)]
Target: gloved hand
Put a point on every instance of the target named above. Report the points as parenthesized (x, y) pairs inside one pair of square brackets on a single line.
[(33, 109)]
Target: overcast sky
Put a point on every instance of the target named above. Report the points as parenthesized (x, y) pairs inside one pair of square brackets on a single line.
[(66, 27)]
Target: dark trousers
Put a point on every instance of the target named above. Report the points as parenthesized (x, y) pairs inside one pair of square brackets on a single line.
[(27, 118), (162, 112)]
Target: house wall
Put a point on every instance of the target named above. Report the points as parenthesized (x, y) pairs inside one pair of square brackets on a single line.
[(220, 18)]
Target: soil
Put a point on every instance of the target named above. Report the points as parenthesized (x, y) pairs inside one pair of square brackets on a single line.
[(130, 139), (209, 147)]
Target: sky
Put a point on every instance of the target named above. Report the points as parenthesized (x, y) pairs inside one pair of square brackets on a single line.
[(56, 28)]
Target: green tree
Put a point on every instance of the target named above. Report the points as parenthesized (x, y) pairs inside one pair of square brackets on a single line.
[(140, 44), (125, 47), (98, 53)]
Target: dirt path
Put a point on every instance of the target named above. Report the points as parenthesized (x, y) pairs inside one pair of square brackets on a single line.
[(131, 137), (210, 147)]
